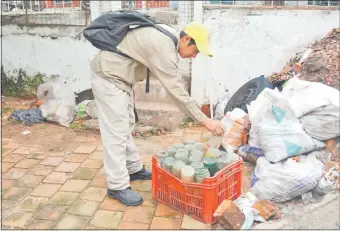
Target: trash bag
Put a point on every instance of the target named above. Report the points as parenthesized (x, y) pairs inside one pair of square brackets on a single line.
[(317, 107), (59, 103), (284, 181), (280, 134), (28, 117)]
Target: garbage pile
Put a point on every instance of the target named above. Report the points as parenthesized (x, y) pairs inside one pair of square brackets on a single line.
[(319, 63), (287, 134), (193, 162)]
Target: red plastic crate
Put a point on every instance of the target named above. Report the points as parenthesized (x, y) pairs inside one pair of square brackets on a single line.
[(196, 200)]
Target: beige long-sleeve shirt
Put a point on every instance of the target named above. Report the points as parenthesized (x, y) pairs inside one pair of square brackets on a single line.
[(148, 48)]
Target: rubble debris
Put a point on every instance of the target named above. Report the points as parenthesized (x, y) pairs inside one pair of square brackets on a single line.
[(229, 216), (321, 65), (267, 209)]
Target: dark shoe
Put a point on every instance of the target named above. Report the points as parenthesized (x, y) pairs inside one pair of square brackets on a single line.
[(143, 174), (126, 196)]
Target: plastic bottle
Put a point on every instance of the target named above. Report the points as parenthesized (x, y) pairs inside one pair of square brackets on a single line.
[(177, 168), (178, 146), (197, 165), (222, 162), (161, 154), (191, 142), (189, 147), (213, 152), (198, 153), (200, 174), (210, 163), (195, 157), (171, 151), (168, 163), (187, 174), (182, 154), (199, 146)]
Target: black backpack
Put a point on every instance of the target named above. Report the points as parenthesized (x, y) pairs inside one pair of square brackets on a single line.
[(109, 29)]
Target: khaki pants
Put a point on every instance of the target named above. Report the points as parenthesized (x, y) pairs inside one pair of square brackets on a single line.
[(116, 122)]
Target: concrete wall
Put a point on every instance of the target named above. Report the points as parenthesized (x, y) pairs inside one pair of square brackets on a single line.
[(250, 42)]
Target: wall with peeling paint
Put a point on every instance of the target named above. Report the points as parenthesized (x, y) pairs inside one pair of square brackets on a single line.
[(251, 42)]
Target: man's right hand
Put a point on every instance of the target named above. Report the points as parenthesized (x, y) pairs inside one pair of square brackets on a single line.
[(214, 126)]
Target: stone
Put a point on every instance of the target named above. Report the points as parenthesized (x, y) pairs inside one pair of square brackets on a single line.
[(72, 222), (91, 163), (139, 214), (74, 185), (85, 149), (13, 158), (267, 209), (6, 166), (106, 219), (63, 198), (315, 63), (166, 211), (84, 173), (56, 178), (52, 161), (67, 167), (16, 193), (96, 156), (76, 158), (15, 173), (83, 207), (6, 184), (26, 163), (112, 205), (165, 223), (50, 212), (229, 215), (93, 194), (32, 203), (41, 170), (29, 181), (99, 181), (45, 190), (132, 226), (40, 224), (17, 219), (190, 223)]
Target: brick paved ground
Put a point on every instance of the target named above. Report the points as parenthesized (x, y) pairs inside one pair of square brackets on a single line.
[(67, 190)]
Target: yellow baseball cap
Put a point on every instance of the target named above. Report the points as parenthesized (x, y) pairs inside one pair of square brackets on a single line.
[(201, 35)]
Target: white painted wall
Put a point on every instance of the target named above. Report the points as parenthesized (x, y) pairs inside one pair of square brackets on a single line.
[(248, 43)]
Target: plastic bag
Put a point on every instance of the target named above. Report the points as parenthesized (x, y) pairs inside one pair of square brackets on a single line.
[(280, 133), (222, 103), (59, 103), (281, 182), (236, 125)]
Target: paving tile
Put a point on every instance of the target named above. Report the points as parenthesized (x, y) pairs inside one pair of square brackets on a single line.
[(99, 181), (6, 151), (190, 223), (139, 214), (101, 172), (135, 184), (106, 219), (93, 194), (165, 223), (17, 219), (133, 226), (112, 205), (96, 155), (40, 224), (84, 207), (45, 190), (25, 150), (36, 156), (91, 163), (16, 193), (76, 158), (6, 166), (15, 173), (41, 170), (99, 148), (145, 186), (6, 184), (83, 139), (11, 145), (67, 167), (63, 198), (74, 185), (92, 227), (50, 212), (52, 161), (29, 181), (166, 211), (7, 207), (84, 173), (72, 222), (85, 148), (13, 158), (148, 200), (27, 163), (32, 203), (56, 178)]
